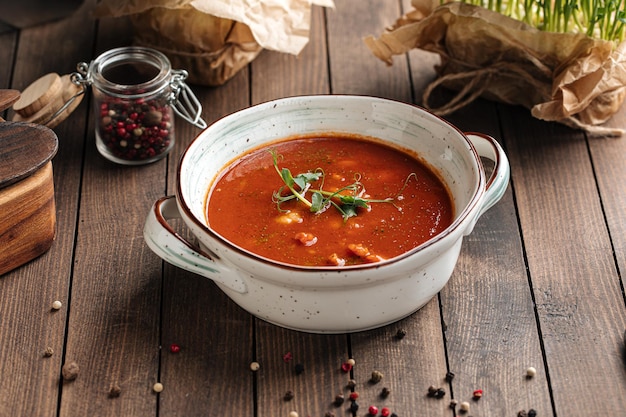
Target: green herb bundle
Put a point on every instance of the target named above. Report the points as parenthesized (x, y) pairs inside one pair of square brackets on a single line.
[(600, 19)]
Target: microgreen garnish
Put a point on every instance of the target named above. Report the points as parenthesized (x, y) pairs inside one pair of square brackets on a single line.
[(346, 199)]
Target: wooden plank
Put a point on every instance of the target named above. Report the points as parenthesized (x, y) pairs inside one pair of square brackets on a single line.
[(492, 335), (211, 372), (271, 72), (609, 164), (28, 325), (575, 284), (409, 366), (314, 389), (7, 51), (354, 68), (114, 321)]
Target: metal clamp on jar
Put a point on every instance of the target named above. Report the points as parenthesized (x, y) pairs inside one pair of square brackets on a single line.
[(135, 95)]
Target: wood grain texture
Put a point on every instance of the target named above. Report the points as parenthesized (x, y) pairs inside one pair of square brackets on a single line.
[(538, 282), (354, 69), (27, 325), (28, 221), (211, 371), (113, 326), (578, 298), (491, 331)]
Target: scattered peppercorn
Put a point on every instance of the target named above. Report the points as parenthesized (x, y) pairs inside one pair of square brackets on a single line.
[(372, 410), (400, 334), (254, 366), (477, 394), (354, 395), (174, 348), (299, 368), (453, 403), (48, 352), (293, 414), (158, 387), (351, 384), (346, 367), (70, 371), (377, 376), (288, 396), (351, 362), (339, 399), (384, 412), (384, 393), (464, 407), (354, 407), (522, 413), (115, 391), (449, 376), (287, 357), (329, 414), (57, 305), (530, 372), (532, 413), (436, 392)]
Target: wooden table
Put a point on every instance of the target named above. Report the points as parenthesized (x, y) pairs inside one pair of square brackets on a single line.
[(538, 283)]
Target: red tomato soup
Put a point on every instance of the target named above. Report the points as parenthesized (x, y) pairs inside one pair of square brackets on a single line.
[(243, 204)]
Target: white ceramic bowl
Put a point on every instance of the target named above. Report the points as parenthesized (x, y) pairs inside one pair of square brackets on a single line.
[(328, 299)]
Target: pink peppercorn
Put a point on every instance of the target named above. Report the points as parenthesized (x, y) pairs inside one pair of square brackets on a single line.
[(477, 394), (174, 348), (384, 412), (287, 357), (373, 410), (354, 395), (346, 367)]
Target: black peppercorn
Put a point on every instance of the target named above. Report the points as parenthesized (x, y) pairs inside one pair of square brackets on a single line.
[(339, 399), (522, 413), (288, 396), (436, 392), (449, 376), (400, 334), (532, 413), (354, 407), (299, 368), (385, 392)]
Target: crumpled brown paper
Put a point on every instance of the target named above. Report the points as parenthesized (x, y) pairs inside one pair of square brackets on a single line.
[(564, 77), (214, 39)]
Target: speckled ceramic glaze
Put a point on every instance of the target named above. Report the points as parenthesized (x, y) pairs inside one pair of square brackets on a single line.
[(328, 299)]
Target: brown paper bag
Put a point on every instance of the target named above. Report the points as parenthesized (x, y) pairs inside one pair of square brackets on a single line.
[(214, 39), (564, 77), (211, 49)]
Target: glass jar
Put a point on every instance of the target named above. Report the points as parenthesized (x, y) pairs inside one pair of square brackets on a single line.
[(135, 95)]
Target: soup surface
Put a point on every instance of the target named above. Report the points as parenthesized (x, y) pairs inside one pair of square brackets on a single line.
[(400, 203)]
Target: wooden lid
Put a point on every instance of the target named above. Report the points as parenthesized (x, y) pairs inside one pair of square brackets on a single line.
[(7, 98), (43, 101), (24, 148)]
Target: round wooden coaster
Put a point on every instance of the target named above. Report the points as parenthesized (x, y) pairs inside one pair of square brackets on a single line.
[(38, 95), (57, 107)]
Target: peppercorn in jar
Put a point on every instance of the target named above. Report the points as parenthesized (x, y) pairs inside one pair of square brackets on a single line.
[(135, 96)]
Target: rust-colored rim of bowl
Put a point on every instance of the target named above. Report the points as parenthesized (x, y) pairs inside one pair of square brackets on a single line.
[(480, 190)]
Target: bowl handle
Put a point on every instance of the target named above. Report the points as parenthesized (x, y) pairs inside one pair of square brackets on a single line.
[(497, 183), (174, 249)]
